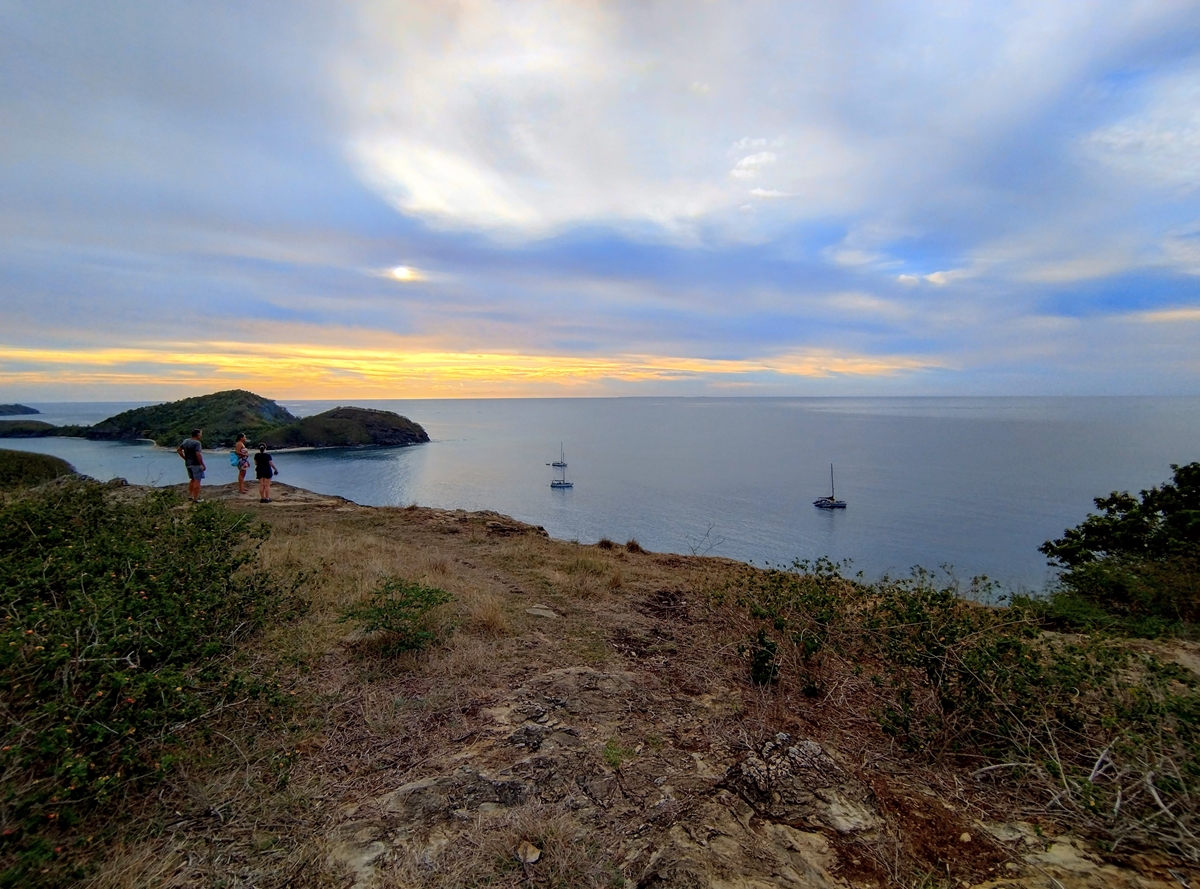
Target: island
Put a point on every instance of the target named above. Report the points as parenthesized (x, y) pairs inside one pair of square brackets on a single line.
[(222, 415), (14, 410)]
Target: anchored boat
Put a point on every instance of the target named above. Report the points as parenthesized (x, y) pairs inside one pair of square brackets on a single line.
[(561, 465), (830, 502)]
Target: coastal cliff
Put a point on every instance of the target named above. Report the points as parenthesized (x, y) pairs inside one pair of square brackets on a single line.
[(569, 715)]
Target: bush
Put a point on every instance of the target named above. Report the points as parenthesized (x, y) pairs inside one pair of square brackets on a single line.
[(116, 622), (403, 611), (1105, 732), (19, 469)]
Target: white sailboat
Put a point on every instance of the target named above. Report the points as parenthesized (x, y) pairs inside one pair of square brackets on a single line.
[(561, 465)]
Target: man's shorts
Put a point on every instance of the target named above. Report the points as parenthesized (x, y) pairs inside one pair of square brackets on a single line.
[(195, 473)]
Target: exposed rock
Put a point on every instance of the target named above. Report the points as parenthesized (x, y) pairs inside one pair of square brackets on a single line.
[(540, 611), (528, 853), (800, 784)]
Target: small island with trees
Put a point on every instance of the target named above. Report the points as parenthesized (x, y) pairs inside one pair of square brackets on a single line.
[(222, 415)]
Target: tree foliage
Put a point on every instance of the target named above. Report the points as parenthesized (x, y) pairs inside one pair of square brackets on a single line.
[(1138, 560)]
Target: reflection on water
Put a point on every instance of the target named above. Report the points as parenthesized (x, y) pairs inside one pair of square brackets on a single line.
[(977, 483)]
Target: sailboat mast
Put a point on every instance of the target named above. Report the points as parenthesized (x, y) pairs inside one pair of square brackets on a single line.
[(832, 491)]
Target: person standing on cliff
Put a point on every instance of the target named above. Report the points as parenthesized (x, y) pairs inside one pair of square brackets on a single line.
[(264, 468), (243, 461), (193, 458)]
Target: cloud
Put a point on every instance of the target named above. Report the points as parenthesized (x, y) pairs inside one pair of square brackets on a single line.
[(1160, 143), (749, 166), (941, 279), (1169, 316), (947, 187), (300, 370)]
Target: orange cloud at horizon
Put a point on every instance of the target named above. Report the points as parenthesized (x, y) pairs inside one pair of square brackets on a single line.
[(316, 371)]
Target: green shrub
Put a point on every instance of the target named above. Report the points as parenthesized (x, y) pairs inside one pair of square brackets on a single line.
[(1105, 731), (115, 623), (403, 611), (19, 469), (761, 651)]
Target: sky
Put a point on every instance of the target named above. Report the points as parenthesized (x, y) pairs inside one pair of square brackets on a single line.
[(480, 199)]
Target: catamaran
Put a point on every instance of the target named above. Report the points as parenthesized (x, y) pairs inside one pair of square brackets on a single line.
[(830, 502)]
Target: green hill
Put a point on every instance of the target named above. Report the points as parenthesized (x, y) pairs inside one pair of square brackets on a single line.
[(26, 429), (19, 469), (221, 415), (344, 426), (12, 410)]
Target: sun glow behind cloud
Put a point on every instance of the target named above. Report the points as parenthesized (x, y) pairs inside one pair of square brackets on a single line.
[(315, 371)]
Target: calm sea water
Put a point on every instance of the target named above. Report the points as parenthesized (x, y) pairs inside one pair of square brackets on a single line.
[(973, 483)]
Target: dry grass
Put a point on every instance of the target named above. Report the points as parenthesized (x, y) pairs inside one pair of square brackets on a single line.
[(571, 856)]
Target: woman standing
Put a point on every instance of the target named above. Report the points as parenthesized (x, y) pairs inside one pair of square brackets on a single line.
[(243, 461), (264, 468)]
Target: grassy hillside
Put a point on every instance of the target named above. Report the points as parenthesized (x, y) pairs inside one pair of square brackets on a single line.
[(348, 426), (221, 415), (19, 469), (583, 716)]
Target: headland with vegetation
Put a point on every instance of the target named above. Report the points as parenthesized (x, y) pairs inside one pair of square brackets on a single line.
[(12, 410), (313, 693), (222, 415)]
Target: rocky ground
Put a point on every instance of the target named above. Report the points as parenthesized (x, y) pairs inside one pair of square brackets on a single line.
[(586, 722)]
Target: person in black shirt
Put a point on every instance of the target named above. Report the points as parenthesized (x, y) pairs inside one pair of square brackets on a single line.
[(264, 468)]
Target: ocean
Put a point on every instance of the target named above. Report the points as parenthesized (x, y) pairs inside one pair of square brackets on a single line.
[(969, 485)]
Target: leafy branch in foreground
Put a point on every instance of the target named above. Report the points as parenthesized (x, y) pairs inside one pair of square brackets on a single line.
[(116, 621)]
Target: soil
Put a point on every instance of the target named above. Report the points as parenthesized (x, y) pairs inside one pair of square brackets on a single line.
[(586, 721)]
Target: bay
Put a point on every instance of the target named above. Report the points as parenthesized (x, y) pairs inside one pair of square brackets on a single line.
[(975, 484)]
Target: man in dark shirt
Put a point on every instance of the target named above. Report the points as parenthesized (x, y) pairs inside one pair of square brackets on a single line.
[(193, 459)]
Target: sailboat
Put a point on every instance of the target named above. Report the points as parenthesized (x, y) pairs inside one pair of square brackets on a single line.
[(561, 465), (830, 502)]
